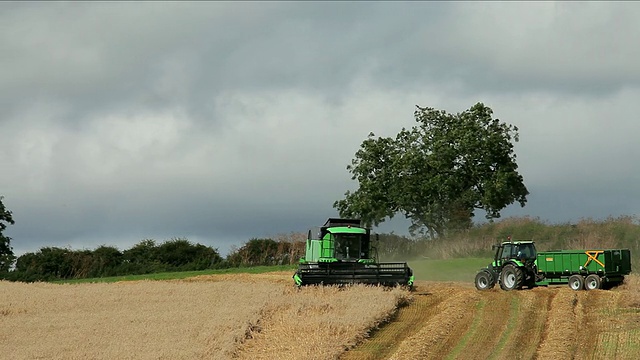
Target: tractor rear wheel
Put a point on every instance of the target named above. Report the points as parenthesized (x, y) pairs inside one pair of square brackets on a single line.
[(593, 282), (485, 280), (511, 278), (576, 282)]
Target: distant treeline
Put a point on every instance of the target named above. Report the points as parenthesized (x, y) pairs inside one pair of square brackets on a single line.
[(179, 254)]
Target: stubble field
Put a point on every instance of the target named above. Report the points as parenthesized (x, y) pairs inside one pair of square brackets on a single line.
[(263, 316)]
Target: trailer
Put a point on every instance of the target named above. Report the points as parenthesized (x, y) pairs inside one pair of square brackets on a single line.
[(591, 269), (517, 264)]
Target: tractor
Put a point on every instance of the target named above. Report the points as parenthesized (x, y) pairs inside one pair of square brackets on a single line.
[(513, 266)]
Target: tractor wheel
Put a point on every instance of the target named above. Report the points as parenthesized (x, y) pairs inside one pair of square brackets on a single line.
[(511, 278), (576, 282), (593, 282), (485, 280)]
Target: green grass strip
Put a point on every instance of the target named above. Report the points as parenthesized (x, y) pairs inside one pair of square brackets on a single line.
[(472, 330), (448, 270), (633, 345), (511, 324), (182, 274)]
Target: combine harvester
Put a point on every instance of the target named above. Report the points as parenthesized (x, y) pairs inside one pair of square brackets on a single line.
[(341, 252), (517, 264)]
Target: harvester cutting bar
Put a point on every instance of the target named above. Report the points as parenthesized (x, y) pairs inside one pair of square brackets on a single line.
[(387, 274)]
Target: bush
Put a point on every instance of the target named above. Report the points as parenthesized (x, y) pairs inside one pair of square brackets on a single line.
[(52, 263)]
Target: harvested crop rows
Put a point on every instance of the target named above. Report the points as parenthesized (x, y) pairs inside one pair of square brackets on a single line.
[(264, 316), (459, 322)]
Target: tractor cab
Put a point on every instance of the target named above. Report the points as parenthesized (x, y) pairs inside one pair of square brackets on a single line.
[(523, 251)]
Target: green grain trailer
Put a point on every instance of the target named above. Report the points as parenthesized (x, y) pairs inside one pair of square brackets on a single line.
[(589, 269), (341, 252)]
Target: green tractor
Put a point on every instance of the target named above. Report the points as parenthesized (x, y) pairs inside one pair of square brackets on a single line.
[(513, 266), (341, 252)]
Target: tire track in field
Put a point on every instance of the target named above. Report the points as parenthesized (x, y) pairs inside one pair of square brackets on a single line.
[(509, 326), (441, 334), (560, 339), (610, 329), (484, 334), (454, 321), (529, 325), (409, 319), (597, 305), (471, 332)]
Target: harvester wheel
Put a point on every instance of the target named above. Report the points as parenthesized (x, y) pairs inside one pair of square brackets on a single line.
[(593, 282), (576, 282), (511, 278), (485, 280)]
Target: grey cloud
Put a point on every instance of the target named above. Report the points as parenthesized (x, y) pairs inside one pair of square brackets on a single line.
[(106, 55), (225, 121), (129, 50), (567, 47)]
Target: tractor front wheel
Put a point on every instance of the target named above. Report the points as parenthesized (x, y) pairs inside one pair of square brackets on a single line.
[(576, 282), (511, 278), (485, 280)]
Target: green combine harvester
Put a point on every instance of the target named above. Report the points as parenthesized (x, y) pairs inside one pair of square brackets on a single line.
[(516, 264), (341, 252)]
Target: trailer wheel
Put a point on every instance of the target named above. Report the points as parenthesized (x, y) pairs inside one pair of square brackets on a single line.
[(511, 278), (485, 280), (576, 282), (593, 282)]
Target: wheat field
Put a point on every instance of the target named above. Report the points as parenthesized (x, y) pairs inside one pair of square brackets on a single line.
[(263, 316), (210, 317)]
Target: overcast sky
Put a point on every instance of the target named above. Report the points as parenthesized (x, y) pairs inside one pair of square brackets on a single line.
[(220, 122)]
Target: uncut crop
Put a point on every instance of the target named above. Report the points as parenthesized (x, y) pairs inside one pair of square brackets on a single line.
[(212, 317)]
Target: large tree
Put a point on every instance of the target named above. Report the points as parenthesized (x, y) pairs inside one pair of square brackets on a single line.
[(6, 251), (438, 172)]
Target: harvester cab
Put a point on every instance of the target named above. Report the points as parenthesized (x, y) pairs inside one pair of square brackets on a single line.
[(513, 266), (338, 240), (341, 252)]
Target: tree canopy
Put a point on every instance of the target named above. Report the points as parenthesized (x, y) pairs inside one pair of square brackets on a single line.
[(6, 251), (438, 172)]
